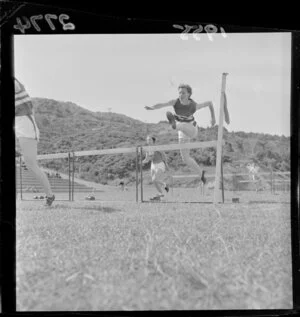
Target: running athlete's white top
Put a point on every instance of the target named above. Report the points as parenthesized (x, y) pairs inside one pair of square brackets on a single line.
[(25, 124), (23, 103)]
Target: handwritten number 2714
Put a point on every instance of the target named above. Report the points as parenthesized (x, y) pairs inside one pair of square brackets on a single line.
[(48, 17)]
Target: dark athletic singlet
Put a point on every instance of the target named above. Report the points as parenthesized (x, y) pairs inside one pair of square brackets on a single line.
[(184, 113)]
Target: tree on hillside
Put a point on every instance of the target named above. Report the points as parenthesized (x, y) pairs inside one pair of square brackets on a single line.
[(249, 145), (240, 145), (261, 144), (270, 158), (228, 147)]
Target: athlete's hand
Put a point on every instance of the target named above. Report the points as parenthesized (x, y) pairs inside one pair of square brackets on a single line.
[(213, 122), (148, 108)]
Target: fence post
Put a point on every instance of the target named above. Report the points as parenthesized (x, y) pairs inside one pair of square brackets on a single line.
[(21, 189), (137, 174), (69, 176), (73, 172), (272, 186), (141, 171)]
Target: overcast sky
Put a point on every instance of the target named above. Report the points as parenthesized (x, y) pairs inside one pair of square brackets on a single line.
[(127, 72)]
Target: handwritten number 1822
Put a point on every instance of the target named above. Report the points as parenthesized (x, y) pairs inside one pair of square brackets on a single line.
[(33, 21)]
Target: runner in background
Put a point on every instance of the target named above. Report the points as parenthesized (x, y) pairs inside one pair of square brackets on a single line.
[(159, 167)]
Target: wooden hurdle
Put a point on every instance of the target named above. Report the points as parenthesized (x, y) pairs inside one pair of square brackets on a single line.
[(138, 151)]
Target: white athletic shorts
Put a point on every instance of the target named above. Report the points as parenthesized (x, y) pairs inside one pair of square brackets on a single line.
[(190, 131), (24, 128), (158, 167)]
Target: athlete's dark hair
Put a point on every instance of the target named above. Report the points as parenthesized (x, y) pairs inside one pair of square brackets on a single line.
[(187, 87)]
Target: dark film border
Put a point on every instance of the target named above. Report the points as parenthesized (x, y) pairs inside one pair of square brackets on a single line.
[(86, 22)]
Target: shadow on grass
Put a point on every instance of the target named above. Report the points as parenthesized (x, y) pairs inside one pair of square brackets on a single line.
[(177, 202), (87, 207), (97, 208), (268, 202)]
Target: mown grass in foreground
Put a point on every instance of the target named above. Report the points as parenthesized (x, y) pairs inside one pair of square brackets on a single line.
[(126, 256)]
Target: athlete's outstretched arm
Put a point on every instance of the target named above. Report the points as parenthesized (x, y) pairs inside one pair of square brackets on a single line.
[(165, 159), (161, 105), (211, 108), (146, 159)]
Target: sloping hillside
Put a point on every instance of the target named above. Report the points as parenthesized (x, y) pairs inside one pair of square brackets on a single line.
[(66, 126)]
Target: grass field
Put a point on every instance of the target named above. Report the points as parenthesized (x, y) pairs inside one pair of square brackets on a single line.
[(93, 255)]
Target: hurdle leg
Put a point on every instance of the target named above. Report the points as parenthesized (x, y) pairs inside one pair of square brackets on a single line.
[(69, 161), (137, 175), (222, 181), (141, 171), (218, 198)]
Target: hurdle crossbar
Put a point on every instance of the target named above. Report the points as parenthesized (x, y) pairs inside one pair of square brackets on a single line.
[(53, 156), (179, 146), (166, 147), (87, 153), (106, 151)]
